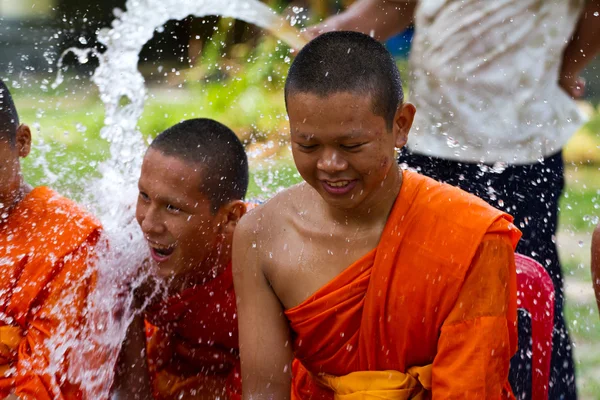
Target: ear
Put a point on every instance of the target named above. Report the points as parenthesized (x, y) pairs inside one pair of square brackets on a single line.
[(403, 120), (23, 140), (229, 215)]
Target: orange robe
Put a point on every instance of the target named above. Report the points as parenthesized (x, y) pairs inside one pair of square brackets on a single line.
[(45, 247), (429, 313), (192, 343)]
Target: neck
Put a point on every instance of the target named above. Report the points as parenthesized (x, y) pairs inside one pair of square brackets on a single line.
[(377, 207), (204, 272), (16, 197)]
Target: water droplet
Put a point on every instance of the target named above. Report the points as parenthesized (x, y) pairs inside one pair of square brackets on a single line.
[(452, 143)]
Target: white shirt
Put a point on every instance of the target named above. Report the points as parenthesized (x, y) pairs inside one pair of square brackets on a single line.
[(484, 79)]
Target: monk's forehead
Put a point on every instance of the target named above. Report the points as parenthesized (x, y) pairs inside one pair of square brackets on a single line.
[(171, 170), (349, 99), (347, 115)]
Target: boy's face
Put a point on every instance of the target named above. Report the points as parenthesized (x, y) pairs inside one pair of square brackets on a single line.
[(174, 215), (10, 168), (342, 149)]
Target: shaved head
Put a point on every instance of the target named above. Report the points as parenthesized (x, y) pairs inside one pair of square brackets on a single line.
[(9, 119), (215, 148), (351, 62)]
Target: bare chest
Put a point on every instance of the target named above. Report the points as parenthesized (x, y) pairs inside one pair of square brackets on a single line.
[(299, 263)]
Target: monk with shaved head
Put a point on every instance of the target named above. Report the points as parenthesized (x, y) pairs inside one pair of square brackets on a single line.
[(367, 281), (47, 256), (191, 189)]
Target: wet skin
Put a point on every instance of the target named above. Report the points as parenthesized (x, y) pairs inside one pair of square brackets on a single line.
[(12, 186), (287, 249), (188, 241)]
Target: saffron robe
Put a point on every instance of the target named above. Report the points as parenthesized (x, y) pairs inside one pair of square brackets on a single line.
[(192, 343), (429, 313), (46, 258)]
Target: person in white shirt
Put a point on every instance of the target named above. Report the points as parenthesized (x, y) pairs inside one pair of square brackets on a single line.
[(495, 83)]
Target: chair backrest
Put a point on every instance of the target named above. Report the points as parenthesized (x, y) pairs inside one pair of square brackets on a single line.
[(535, 293)]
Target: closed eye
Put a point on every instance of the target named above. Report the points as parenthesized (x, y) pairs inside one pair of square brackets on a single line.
[(306, 146), (351, 146)]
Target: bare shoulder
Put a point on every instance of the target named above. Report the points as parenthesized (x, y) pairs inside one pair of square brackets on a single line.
[(267, 219)]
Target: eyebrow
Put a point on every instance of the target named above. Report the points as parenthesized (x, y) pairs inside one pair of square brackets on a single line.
[(347, 136), (165, 199), (350, 135), (305, 136)]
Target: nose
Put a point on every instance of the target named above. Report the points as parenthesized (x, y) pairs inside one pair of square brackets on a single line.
[(150, 221), (331, 161)]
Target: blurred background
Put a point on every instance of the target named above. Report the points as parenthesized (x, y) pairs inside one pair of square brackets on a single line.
[(234, 72)]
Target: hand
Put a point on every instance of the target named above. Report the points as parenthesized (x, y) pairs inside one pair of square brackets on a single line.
[(573, 84), (329, 25)]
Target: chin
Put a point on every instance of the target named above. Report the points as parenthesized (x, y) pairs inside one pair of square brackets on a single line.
[(341, 203), (164, 272)]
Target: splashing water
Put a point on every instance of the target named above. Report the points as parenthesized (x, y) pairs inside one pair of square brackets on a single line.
[(122, 90)]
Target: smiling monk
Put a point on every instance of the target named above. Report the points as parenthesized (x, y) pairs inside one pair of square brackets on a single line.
[(383, 284), (191, 189)]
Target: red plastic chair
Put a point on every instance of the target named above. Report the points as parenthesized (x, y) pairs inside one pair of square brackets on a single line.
[(535, 293)]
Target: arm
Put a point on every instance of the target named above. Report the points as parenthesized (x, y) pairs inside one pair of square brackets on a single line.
[(380, 18), (596, 263), (57, 321), (478, 337), (132, 380), (265, 344), (581, 50)]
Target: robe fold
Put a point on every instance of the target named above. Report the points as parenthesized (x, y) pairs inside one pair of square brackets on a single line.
[(46, 273), (429, 313), (192, 343)]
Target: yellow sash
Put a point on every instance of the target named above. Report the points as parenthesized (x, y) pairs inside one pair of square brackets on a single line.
[(10, 337), (380, 385)]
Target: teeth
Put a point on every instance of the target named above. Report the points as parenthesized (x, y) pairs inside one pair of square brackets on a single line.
[(161, 248), (163, 252), (338, 184)]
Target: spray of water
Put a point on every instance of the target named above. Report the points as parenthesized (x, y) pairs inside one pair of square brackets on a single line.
[(122, 90)]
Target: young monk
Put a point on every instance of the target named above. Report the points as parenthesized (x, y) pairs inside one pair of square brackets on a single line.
[(382, 283), (193, 181), (46, 249)]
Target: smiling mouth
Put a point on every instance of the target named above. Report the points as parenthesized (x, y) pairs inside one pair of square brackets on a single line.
[(338, 184), (160, 253), (339, 187)]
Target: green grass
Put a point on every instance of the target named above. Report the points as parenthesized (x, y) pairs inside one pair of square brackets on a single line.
[(584, 326), (584, 321), (267, 178), (578, 209), (588, 371), (580, 205)]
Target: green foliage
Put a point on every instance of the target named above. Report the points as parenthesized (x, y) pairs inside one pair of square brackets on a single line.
[(242, 89)]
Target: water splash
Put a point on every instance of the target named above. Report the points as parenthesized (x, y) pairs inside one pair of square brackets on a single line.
[(123, 92)]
